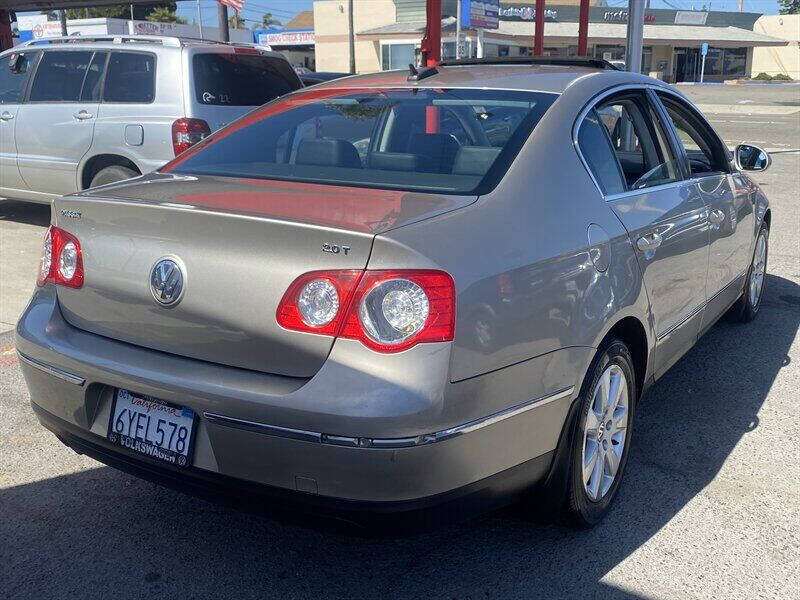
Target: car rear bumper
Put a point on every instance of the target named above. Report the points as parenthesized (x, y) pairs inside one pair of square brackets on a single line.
[(446, 507), (72, 376)]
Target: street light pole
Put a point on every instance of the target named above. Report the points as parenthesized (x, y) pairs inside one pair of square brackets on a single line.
[(62, 16), (200, 19), (352, 37), (633, 46), (458, 29)]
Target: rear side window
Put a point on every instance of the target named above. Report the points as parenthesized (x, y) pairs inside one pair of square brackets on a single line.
[(241, 79), (639, 143), (12, 85), (599, 155), (59, 76), (91, 82), (130, 78), (439, 140)]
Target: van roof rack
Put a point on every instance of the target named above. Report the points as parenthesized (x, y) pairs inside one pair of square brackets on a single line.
[(164, 40), (574, 61), (113, 38)]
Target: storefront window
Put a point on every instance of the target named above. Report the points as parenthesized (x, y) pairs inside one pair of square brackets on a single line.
[(397, 56), (713, 62), (735, 62)]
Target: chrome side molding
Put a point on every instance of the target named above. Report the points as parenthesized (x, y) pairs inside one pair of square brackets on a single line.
[(407, 442), (50, 370)]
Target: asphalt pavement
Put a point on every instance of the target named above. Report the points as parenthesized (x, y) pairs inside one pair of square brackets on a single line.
[(709, 508)]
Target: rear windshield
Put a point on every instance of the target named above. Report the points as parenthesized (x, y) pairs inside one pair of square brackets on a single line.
[(241, 79), (446, 141)]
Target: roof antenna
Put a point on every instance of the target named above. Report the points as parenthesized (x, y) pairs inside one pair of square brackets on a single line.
[(418, 74)]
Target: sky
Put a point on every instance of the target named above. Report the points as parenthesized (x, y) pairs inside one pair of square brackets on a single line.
[(284, 10)]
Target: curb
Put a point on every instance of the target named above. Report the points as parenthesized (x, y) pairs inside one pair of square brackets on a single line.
[(749, 109)]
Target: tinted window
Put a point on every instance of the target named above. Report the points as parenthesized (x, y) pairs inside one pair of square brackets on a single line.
[(12, 85), (639, 142), (91, 83), (59, 76), (703, 151), (422, 139), (241, 79), (599, 155), (130, 77)]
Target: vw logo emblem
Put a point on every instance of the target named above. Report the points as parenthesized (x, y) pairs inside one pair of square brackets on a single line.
[(167, 282)]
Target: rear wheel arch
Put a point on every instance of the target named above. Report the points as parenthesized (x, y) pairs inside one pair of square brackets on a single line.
[(633, 334), (99, 162)]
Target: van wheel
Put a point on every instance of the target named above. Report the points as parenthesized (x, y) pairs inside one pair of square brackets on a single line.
[(112, 174), (602, 435), (746, 307)]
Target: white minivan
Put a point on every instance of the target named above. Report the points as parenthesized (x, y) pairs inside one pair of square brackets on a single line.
[(85, 111)]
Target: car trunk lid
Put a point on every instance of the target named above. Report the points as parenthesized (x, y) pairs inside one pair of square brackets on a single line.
[(240, 244)]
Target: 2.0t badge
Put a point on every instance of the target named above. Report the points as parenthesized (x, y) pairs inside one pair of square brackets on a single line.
[(167, 282)]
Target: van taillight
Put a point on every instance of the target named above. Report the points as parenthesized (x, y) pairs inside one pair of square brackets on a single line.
[(386, 310), (62, 261), (187, 132)]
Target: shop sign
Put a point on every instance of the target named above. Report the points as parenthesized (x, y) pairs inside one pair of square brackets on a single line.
[(690, 17), (527, 13), (47, 30), (480, 14), (152, 28), (621, 16), (287, 38)]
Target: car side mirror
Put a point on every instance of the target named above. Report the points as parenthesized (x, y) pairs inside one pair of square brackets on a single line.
[(751, 158)]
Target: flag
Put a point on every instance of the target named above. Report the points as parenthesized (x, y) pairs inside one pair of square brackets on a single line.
[(236, 5)]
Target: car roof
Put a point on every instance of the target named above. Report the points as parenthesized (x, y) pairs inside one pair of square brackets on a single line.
[(523, 77), (149, 42)]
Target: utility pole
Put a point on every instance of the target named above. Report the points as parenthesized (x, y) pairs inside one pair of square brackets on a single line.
[(352, 37), (633, 46), (131, 12), (222, 22), (741, 5), (62, 15)]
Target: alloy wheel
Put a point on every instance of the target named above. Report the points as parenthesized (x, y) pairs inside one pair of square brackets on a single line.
[(758, 269), (605, 432)]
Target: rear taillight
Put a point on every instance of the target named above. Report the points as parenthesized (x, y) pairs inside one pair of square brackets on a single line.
[(387, 311), (187, 132), (62, 261)]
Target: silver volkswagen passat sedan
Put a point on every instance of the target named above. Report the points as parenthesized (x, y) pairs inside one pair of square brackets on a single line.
[(399, 291)]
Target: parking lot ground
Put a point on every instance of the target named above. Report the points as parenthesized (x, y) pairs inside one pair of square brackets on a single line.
[(709, 508), (21, 232)]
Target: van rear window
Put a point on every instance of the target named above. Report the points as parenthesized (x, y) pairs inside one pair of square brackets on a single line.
[(241, 79), (439, 140)]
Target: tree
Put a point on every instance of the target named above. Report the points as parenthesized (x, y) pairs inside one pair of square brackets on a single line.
[(163, 14), (234, 22), (141, 12), (267, 22), (789, 7)]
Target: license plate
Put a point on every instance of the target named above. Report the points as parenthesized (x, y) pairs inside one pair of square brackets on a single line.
[(152, 427)]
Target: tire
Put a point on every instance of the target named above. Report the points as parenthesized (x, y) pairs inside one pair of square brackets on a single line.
[(746, 307), (590, 497), (112, 174)]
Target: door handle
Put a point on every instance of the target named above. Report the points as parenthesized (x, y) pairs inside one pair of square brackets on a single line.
[(82, 115), (651, 241), (716, 216), (6, 116)]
